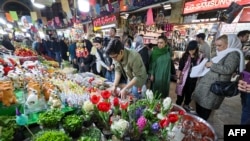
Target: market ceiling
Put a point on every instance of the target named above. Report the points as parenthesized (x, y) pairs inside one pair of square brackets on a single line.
[(24, 7)]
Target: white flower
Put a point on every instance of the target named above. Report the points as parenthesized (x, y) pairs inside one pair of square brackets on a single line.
[(149, 94), (88, 106), (120, 126), (167, 103), (160, 116)]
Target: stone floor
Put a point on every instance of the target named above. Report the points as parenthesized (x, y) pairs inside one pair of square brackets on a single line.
[(228, 113)]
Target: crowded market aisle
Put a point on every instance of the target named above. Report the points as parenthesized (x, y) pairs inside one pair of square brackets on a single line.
[(228, 113)]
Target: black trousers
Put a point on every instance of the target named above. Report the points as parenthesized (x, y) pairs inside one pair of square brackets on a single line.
[(203, 112), (187, 91)]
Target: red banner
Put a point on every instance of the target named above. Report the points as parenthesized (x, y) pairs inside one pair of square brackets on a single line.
[(206, 5), (104, 20), (245, 16)]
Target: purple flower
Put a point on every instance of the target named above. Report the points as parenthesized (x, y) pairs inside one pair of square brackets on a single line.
[(155, 127), (141, 123), (138, 112)]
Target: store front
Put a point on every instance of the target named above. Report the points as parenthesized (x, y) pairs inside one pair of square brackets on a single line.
[(103, 24)]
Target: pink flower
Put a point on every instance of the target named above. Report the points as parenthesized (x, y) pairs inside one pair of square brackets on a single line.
[(141, 123)]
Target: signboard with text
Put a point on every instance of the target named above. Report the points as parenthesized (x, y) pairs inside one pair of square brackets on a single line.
[(106, 20), (245, 16), (206, 5)]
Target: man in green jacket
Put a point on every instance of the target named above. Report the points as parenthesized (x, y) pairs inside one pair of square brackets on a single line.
[(128, 66)]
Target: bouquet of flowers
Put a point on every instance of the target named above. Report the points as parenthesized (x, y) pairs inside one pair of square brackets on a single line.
[(153, 118)]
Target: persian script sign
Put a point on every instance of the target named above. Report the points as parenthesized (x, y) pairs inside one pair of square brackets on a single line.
[(104, 20)]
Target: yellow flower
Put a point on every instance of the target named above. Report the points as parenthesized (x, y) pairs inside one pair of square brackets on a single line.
[(88, 106)]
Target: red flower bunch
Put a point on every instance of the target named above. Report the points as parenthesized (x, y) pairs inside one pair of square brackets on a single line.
[(116, 102), (104, 106), (106, 94), (164, 123), (95, 99), (173, 118)]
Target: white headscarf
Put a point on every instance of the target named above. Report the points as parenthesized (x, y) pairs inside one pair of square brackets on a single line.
[(234, 44)]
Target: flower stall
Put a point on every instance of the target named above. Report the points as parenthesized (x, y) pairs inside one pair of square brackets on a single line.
[(40, 102)]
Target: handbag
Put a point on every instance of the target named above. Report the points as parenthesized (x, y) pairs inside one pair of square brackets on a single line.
[(225, 88)]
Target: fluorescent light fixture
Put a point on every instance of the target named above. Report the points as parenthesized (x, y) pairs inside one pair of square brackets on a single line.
[(108, 26), (167, 6), (38, 5), (83, 5)]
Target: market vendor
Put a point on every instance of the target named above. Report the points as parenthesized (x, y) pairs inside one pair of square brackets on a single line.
[(128, 65)]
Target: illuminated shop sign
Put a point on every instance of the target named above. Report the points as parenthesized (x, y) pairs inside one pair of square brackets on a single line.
[(106, 20), (206, 5)]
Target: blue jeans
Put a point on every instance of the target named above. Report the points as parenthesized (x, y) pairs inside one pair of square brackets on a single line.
[(245, 101), (58, 57), (110, 76), (135, 92)]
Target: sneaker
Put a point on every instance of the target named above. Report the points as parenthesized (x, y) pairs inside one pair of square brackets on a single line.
[(188, 108)]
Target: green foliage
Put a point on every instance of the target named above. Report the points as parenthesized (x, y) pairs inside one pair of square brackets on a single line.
[(91, 134), (7, 128), (72, 122), (52, 135), (51, 118)]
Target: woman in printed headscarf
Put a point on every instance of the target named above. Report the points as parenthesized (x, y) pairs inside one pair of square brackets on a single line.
[(221, 67), (138, 46)]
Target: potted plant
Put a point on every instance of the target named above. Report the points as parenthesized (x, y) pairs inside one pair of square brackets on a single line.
[(52, 135), (91, 134), (72, 124), (9, 130), (50, 119)]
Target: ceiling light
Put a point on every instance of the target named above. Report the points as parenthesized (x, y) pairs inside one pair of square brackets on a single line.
[(83, 5), (38, 5)]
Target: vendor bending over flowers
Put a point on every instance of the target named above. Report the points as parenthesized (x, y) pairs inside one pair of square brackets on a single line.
[(130, 71)]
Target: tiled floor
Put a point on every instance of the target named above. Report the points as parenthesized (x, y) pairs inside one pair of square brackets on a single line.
[(228, 113)]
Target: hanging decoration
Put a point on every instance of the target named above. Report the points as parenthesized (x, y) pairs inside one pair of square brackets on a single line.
[(150, 18)]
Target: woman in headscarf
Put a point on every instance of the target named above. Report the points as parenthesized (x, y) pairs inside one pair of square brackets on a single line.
[(220, 68), (138, 46), (160, 67), (185, 85)]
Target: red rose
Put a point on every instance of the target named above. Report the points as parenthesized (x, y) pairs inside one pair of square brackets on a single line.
[(116, 102), (104, 106), (173, 118), (95, 99), (106, 94), (124, 105), (164, 123), (181, 112)]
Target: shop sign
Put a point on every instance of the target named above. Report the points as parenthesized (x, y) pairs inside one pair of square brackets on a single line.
[(106, 20), (245, 16), (206, 5)]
